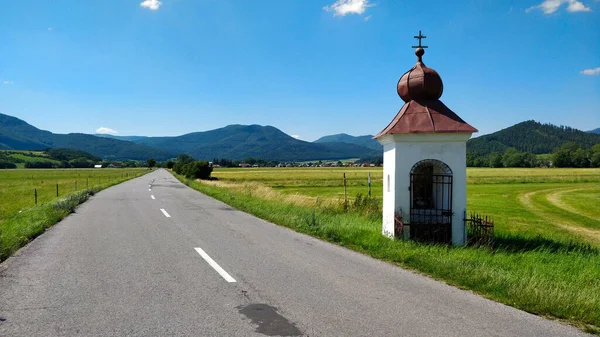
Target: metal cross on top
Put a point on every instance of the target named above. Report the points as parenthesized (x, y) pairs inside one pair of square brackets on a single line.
[(420, 37)]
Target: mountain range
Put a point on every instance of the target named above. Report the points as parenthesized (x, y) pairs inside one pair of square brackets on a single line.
[(256, 141), (237, 142), (16, 134), (597, 131), (231, 142)]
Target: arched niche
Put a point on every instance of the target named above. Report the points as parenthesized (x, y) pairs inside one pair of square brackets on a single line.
[(431, 201)]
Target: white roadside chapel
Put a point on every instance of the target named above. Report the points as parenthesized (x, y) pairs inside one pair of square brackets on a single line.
[(424, 162)]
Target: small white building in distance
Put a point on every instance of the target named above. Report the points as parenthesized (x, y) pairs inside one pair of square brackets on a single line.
[(424, 162)]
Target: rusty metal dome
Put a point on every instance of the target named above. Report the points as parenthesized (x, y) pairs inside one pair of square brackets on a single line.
[(420, 83)]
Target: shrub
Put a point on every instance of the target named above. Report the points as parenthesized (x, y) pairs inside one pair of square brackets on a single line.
[(366, 205), (198, 170), (70, 202), (193, 170)]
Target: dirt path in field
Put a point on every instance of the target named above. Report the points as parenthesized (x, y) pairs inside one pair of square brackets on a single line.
[(556, 199), (587, 233)]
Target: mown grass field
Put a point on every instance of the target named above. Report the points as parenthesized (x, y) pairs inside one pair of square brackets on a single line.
[(21, 219), (546, 259)]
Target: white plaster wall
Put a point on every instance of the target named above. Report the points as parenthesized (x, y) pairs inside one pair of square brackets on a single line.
[(402, 152), (389, 188)]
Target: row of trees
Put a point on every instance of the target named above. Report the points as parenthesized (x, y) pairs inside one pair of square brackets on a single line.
[(573, 155), (250, 161), (510, 158), (569, 155)]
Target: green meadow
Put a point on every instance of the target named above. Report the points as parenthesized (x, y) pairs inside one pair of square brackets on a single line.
[(22, 157), (545, 259), (21, 219)]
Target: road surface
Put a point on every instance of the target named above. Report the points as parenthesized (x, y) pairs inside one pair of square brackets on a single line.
[(152, 257)]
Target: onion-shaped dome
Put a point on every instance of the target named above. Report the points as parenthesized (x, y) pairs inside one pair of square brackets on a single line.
[(420, 83)]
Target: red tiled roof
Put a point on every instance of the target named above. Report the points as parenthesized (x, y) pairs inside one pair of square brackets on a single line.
[(430, 116)]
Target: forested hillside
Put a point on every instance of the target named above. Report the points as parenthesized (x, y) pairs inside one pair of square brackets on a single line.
[(532, 137), (366, 141)]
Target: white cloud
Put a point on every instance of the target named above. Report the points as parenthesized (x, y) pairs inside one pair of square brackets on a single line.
[(151, 4), (591, 72), (344, 7), (7, 82), (368, 18), (106, 131), (551, 6), (295, 136), (577, 6)]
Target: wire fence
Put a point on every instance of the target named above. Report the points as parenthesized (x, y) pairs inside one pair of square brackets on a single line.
[(20, 189)]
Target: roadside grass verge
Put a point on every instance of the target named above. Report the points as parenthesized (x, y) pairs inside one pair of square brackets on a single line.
[(551, 278), (21, 227)]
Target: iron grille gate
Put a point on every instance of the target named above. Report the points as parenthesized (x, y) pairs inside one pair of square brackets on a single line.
[(431, 206)]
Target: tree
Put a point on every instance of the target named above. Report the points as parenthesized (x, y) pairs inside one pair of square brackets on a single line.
[(495, 159), (481, 162), (170, 164), (250, 161), (595, 156), (580, 158), (129, 163), (184, 158), (511, 158), (151, 163), (571, 146), (562, 158), (595, 159)]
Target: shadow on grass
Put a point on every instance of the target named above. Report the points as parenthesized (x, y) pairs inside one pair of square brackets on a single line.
[(520, 244)]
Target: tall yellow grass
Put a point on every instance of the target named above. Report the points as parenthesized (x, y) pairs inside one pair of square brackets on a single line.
[(261, 191)]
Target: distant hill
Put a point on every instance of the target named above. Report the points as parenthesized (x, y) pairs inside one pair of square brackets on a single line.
[(125, 138), (366, 141), (531, 136), (597, 131), (256, 141), (50, 158), (16, 134)]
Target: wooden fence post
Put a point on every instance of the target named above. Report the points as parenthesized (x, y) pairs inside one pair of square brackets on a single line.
[(35, 195), (369, 183), (56, 190), (345, 194)]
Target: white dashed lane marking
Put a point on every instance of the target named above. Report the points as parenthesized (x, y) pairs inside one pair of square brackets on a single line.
[(165, 213), (215, 266)]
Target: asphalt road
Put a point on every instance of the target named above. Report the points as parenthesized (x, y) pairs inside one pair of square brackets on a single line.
[(169, 261)]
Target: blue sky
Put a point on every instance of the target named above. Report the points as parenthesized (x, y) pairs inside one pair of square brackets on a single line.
[(308, 67)]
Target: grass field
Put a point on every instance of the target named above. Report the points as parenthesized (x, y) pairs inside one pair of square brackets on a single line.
[(553, 203), (546, 259), (21, 219)]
